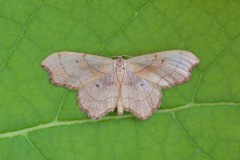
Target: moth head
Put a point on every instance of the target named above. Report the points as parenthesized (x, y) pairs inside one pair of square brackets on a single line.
[(121, 57)]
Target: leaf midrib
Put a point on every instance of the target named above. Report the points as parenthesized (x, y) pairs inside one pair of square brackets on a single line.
[(56, 123)]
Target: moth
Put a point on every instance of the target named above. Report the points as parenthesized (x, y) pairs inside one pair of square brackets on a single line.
[(133, 85)]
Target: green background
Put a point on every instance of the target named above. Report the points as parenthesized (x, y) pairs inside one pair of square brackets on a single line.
[(197, 120)]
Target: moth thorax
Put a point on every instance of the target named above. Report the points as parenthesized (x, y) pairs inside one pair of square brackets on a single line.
[(120, 64)]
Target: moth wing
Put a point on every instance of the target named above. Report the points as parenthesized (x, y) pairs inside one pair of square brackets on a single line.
[(166, 68), (73, 70), (139, 95), (99, 96)]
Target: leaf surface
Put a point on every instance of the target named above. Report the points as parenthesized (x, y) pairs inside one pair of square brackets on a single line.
[(197, 120)]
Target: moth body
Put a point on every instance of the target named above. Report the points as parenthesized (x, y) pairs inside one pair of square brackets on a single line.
[(120, 69)]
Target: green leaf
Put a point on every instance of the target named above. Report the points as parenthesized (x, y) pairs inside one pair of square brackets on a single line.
[(197, 120)]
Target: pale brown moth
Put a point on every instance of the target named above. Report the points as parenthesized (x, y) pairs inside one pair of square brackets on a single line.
[(133, 85)]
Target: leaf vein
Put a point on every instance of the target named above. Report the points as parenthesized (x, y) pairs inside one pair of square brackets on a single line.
[(83, 121), (189, 138), (124, 26), (21, 35), (35, 148)]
